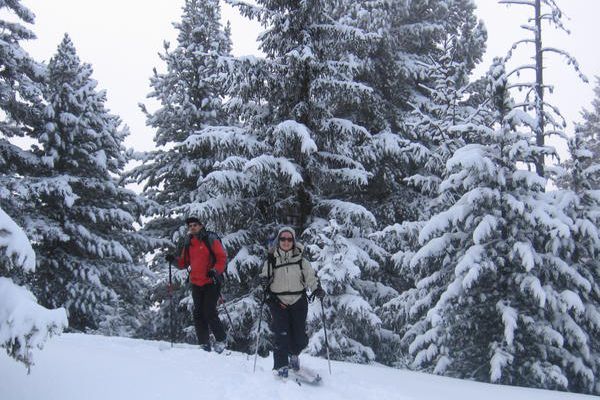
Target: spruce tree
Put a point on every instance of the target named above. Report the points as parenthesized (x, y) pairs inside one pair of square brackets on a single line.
[(495, 298), (21, 82), (415, 37), (304, 103), (24, 325), (437, 116), (579, 202), (197, 143), (590, 129), (86, 244)]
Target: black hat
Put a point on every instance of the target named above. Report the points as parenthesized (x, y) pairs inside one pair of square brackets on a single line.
[(190, 220)]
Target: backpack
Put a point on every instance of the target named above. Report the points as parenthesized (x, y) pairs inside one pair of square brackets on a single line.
[(213, 259)]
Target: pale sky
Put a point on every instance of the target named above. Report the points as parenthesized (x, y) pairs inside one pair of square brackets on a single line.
[(121, 39)]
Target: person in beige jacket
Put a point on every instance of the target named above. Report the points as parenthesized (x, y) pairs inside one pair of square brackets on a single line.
[(286, 276)]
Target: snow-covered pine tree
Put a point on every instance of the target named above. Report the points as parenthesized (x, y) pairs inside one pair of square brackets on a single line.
[(24, 324), (414, 158), (413, 34), (193, 170), (590, 130), (495, 299), (548, 119), (20, 107), (428, 50), (305, 103), (579, 201), (439, 125), (20, 81), (86, 243)]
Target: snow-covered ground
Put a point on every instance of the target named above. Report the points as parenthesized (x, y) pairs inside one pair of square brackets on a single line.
[(76, 366)]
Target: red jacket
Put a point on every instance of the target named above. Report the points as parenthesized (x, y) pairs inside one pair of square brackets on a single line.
[(197, 256)]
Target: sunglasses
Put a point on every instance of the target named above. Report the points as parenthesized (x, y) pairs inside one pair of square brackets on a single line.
[(286, 239)]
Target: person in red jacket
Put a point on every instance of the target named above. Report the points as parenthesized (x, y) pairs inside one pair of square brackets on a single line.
[(205, 270)]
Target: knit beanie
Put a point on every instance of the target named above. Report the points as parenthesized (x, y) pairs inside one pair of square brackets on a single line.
[(287, 229)]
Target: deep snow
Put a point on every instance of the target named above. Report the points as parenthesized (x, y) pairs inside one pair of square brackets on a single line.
[(77, 366)]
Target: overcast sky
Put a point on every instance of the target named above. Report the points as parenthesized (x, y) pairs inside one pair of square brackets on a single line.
[(121, 39)]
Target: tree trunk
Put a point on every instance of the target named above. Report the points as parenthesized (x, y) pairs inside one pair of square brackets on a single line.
[(539, 80)]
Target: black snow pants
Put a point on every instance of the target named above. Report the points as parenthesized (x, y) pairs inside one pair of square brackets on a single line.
[(205, 313), (289, 326)]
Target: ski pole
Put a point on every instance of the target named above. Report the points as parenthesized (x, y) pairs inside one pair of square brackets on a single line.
[(258, 330), (325, 329), (171, 303), (222, 300)]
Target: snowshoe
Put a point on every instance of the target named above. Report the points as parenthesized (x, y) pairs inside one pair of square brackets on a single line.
[(305, 375)]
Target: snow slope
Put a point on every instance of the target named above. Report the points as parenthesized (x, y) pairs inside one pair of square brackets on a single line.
[(77, 366)]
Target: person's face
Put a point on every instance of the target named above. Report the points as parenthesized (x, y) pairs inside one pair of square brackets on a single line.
[(194, 228), (286, 241)]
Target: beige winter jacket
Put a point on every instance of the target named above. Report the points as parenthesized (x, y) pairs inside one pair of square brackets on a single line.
[(292, 273)]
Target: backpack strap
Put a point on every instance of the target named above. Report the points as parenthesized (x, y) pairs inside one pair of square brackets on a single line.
[(298, 263), (220, 279), (186, 257), (270, 266), (213, 258), (290, 293)]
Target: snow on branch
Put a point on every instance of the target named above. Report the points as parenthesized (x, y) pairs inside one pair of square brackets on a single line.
[(521, 2), (470, 266), (291, 129), (251, 11), (472, 156), (509, 319), (532, 285), (101, 246), (348, 214), (443, 221), (526, 253), (433, 248), (347, 32), (215, 208), (348, 176), (484, 229), (229, 181), (499, 361), (572, 301), (570, 61), (223, 137), (24, 324), (346, 127), (15, 244), (277, 166), (333, 159), (389, 144)]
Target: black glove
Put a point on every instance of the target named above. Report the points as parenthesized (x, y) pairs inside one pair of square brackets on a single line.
[(265, 282), (170, 258), (319, 293), (212, 274)]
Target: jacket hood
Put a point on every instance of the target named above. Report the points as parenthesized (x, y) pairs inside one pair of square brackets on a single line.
[(287, 229), (297, 249)]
